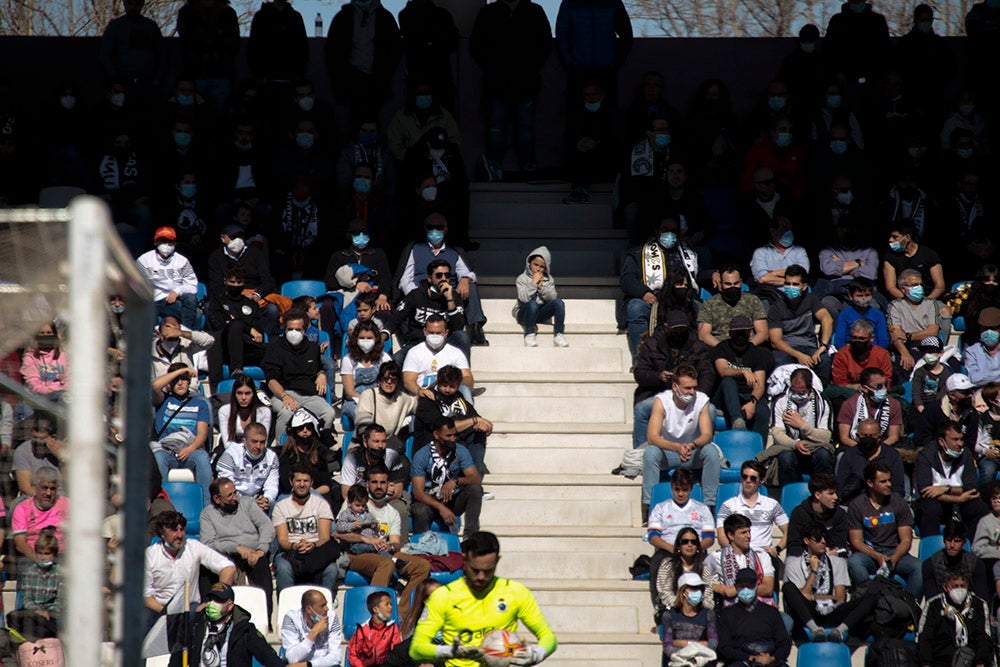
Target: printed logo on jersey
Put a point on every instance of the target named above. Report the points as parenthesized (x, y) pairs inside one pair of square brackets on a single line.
[(501, 605)]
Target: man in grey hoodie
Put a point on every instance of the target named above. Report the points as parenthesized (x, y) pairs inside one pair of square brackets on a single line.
[(235, 526), (537, 299)]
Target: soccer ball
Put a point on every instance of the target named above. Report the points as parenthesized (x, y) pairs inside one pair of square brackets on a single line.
[(498, 647)]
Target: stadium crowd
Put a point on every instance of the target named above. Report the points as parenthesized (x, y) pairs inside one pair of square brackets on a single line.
[(846, 337)]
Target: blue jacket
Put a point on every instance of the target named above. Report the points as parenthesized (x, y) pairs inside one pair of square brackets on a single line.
[(593, 34)]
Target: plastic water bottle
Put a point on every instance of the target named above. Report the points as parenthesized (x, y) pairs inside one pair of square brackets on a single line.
[(319, 25), (883, 571)]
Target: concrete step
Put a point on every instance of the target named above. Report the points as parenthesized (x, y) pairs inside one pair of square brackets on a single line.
[(554, 479), (621, 387), (578, 311), (602, 649), (573, 567), (544, 339), (566, 506), (542, 429), (500, 219), (540, 442), (606, 409), (594, 256), (498, 286), (528, 461), (566, 381), (549, 359)]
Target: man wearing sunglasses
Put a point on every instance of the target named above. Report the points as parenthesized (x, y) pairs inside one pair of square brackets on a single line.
[(764, 513), (871, 402), (435, 296)]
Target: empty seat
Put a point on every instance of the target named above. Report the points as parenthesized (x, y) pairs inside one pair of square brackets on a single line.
[(737, 447), (186, 497)]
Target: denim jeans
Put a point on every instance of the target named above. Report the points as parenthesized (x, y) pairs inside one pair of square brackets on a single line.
[(729, 399), (198, 463), (987, 469), (656, 460), (531, 313), (860, 566), (185, 309), (499, 117), (637, 316), (284, 576), (641, 413), (791, 464)]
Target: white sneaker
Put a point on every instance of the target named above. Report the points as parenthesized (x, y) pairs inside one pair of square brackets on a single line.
[(529, 340), (559, 340), (488, 496)]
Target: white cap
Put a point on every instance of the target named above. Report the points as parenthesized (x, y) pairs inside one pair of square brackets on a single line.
[(690, 579), (959, 382)]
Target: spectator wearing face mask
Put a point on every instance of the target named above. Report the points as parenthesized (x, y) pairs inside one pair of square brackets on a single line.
[(954, 626), (370, 205), (778, 151), (256, 270), (852, 359), (869, 449), (955, 406), (645, 177), (306, 154), (805, 68), (912, 318), (41, 451), (367, 146), (238, 322), (435, 157), (981, 361), (946, 479), (175, 285), (776, 102), (849, 265), (871, 402), (45, 365), (419, 115)]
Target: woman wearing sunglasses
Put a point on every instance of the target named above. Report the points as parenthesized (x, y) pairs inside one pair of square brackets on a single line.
[(388, 405), (687, 557)]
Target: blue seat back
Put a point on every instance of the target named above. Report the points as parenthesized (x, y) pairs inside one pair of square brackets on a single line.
[(737, 447), (827, 654), (356, 611), (731, 490), (186, 497), (296, 288), (792, 495), (662, 491), (225, 386)]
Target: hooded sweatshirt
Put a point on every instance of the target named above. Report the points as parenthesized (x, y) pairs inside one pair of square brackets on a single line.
[(526, 288)]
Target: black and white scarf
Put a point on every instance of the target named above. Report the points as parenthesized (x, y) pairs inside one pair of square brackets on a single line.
[(371, 157), (823, 581), (861, 414), (300, 222), (440, 466), (960, 616)]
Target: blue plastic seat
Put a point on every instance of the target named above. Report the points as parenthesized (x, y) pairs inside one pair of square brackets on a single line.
[(958, 323), (907, 391), (356, 611), (662, 491), (827, 654), (737, 447), (225, 386), (296, 288), (731, 490), (186, 497), (202, 296), (792, 495), (720, 422)]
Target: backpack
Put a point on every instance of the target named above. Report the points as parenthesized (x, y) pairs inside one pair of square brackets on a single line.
[(896, 611), (891, 652)]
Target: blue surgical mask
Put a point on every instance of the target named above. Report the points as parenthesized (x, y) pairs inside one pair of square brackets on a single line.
[(895, 246), (316, 618), (185, 100), (953, 454), (880, 395), (695, 597), (792, 292), (117, 310), (305, 140), (362, 185), (838, 146), (858, 7), (668, 239), (808, 47), (662, 140), (990, 337), (182, 139), (916, 293), (783, 140), (592, 107), (787, 239), (435, 236), (360, 241), (746, 595), (833, 101), (367, 138), (964, 153), (243, 147), (189, 190), (302, 203), (423, 102), (382, 617), (776, 102)]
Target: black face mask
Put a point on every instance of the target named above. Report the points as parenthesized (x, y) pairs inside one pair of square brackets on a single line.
[(677, 339), (731, 294), (740, 340), (859, 348), (375, 455), (965, 403), (230, 508), (867, 446), (234, 291), (680, 293)]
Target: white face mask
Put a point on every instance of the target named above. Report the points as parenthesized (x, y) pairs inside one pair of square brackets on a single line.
[(165, 249), (294, 336), (429, 193), (117, 99), (366, 344), (958, 595), (434, 341), (684, 398), (436, 153), (235, 246), (67, 102), (306, 103)]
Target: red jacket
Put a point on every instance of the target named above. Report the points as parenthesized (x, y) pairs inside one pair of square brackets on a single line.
[(788, 165), (847, 370), (370, 645)]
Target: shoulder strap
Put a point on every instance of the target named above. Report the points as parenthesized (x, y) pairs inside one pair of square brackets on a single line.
[(171, 417)]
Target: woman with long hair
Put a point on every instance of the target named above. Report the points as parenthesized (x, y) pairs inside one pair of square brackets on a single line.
[(45, 366), (678, 293), (244, 408), (689, 621), (984, 292), (359, 367), (388, 405), (687, 556), (400, 655), (303, 446)]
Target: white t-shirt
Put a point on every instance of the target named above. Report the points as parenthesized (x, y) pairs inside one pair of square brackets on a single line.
[(763, 515), (668, 518), (389, 521), (303, 522), (681, 425), (425, 362), (795, 570)]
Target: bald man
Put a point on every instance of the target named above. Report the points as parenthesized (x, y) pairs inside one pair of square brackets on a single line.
[(312, 633)]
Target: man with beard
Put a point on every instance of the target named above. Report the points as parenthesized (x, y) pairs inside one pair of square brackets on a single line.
[(174, 562), (374, 451), (386, 559), (472, 428), (743, 369), (41, 451), (869, 449), (302, 524), (235, 526), (955, 406), (731, 301), (446, 482), (792, 323)]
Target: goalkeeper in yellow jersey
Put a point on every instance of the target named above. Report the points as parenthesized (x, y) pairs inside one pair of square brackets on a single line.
[(468, 609)]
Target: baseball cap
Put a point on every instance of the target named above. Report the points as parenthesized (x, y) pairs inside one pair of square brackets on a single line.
[(691, 579), (959, 382), (221, 592), (930, 343), (171, 234), (675, 318), (233, 229), (746, 575)]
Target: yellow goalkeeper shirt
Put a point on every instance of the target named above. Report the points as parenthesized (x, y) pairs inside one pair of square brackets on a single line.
[(455, 608)]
